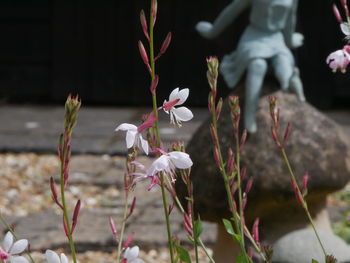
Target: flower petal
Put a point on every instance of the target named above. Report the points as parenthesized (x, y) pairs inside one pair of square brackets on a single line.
[(126, 127), (345, 28), (161, 164), (130, 138), (64, 258), (19, 246), (182, 114), (8, 241), (182, 96), (18, 259), (138, 260), (173, 95), (180, 160), (144, 144), (51, 256), (131, 253)]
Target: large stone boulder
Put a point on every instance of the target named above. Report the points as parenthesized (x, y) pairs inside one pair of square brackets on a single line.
[(316, 145)]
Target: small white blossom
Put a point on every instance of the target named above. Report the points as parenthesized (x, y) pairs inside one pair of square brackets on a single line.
[(9, 249), (179, 114), (131, 255), (169, 161), (133, 136), (52, 257)]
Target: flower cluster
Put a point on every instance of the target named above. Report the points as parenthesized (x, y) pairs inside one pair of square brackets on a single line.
[(340, 59)]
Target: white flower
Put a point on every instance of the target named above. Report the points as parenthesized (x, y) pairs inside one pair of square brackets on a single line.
[(9, 249), (131, 255), (176, 98), (169, 161), (52, 257), (339, 59), (133, 136)]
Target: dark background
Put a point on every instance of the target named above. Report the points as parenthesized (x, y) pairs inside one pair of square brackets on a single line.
[(51, 48)]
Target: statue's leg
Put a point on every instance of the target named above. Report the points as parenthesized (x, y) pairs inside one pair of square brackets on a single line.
[(255, 76), (283, 67), (296, 85)]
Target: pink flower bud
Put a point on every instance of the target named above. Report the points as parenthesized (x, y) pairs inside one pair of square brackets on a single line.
[(255, 231), (144, 24), (147, 123), (248, 187), (165, 45), (286, 133), (132, 207), (143, 53), (337, 14), (75, 215), (154, 11), (65, 227), (170, 208), (243, 139), (129, 240), (114, 230), (218, 109), (230, 162), (214, 134), (305, 181), (274, 136), (345, 6), (188, 224), (154, 84), (216, 156), (54, 192), (244, 201)]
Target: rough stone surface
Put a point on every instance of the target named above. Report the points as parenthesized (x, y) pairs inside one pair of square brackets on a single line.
[(302, 246), (316, 145)]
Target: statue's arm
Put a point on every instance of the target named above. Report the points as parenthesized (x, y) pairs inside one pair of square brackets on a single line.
[(293, 39), (224, 19)]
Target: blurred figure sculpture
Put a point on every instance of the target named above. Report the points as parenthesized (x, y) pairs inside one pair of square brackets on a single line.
[(266, 41)]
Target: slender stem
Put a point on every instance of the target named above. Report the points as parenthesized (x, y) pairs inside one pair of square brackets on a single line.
[(165, 206), (206, 251), (238, 162), (304, 204), (66, 218), (122, 228), (16, 237)]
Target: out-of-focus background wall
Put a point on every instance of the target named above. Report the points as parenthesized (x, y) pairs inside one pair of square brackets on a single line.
[(50, 48)]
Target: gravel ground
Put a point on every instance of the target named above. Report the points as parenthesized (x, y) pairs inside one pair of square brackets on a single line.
[(26, 178)]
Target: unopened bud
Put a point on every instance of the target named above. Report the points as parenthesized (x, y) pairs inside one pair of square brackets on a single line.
[(337, 14), (255, 231), (165, 45), (214, 134), (144, 24), (188, 224), (132, 207), (154, 85), (243, 139), (286, 133), (305, 182), (129, 239), (249, 185), (154, 11), (75, 215), (218, 109), (65, 227), (170, 208), (345, 6), (216, 156), (114, 230), (230, 162), (143, 53)]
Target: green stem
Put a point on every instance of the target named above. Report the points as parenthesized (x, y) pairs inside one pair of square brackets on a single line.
[(304, 204), (121, 237), (165, 206), (239, 190), (66, 219), (205, 250)]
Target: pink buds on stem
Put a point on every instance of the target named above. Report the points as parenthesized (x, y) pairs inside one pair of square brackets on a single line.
[(114, 230), (337, 14), (154, 11), (165, 45), (144, 56), (54, 192), (129, 239), (144, 24), (65, 227), (188, 224), (154, 85), (75, 215), (249, 185), (218, 109), (305, 182), (255, 231), (345, 6)]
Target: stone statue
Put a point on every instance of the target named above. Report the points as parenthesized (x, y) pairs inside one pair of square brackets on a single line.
[(266, 41)]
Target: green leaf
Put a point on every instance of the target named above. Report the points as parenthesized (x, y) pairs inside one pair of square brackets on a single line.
[(242, 258), (183, 254), (198, 228), (314, 261), (228, 226)]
